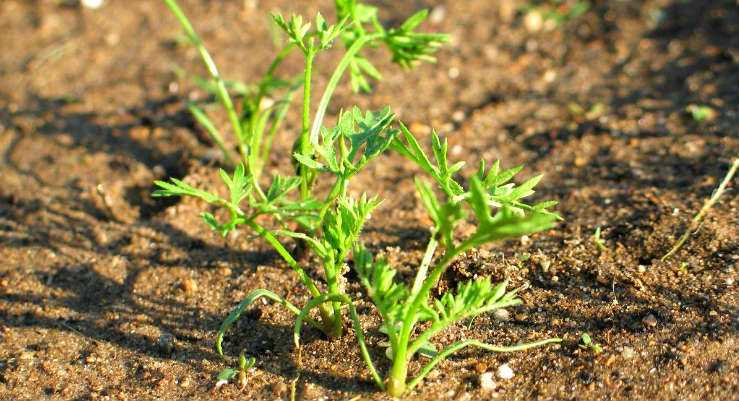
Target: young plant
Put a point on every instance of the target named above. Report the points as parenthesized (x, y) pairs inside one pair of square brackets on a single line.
[(598, 241), (289, 206), (411, 316), (587, 343), (260, 117)]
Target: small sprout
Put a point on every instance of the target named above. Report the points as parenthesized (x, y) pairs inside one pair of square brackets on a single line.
[(598, 241), (701, 113), (587, 343), (226, 375), (245, 363)]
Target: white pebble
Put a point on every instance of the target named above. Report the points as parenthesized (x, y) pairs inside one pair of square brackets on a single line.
[(487, 383), (502, 315), (93, 4), (505, 372)]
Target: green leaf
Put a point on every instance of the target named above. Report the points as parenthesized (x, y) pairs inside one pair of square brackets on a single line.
[(180, 188), (238, 185), (295, 29), (378, 278), (308, 162), (227, 374), (280, 187)]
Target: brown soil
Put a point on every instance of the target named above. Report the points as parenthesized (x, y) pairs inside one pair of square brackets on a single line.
[(90, 281)]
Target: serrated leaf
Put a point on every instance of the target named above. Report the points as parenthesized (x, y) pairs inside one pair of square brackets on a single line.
[(308, 162), (280, 187), (178, 187)]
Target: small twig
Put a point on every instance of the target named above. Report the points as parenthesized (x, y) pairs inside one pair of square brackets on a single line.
[(696, 222)]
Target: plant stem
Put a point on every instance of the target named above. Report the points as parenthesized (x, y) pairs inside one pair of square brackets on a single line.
[(695, 223), (276, 123), (334, 82), (210, 65), (358, 332), (337, 190), (326, 313), (332, 269), (246, 302), (425, 262), (399, 369), (212, 131), (305, 145)]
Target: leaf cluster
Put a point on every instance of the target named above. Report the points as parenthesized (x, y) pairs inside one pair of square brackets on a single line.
[(405, 43), (329, 225)]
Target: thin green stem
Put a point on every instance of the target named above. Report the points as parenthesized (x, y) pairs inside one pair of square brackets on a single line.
[(331, 271), (277, 245), (337, 190), (276, 123), (305, 145), (695, 223), (212, 131), (401, 357), (358, 332), (475, 343), (245, 303), (425, 262), (210, 65), (269, 75), (438, 326), (334, 82), (326, 313)]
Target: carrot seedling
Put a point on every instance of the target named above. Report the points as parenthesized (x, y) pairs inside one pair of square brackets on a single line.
[(290, 207), (411, 316)]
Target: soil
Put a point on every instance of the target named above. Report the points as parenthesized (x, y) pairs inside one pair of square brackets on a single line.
[(106, 293)]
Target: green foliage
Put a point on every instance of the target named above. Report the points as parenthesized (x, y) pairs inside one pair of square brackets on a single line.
[(407, 46), (587, 343), (329, 225), (499, 210), (701, 113), (598, 241)]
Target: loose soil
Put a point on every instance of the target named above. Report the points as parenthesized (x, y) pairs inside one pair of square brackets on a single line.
[(106, 293)]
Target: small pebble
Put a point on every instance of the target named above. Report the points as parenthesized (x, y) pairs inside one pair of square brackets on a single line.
[(533, 21), (166, 343), (92, 4), (437, 15), (458, 116), (628, 353), (189, 285), (453, 72), (650, 320), (502, 315), (504, 372), (487, 383)]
